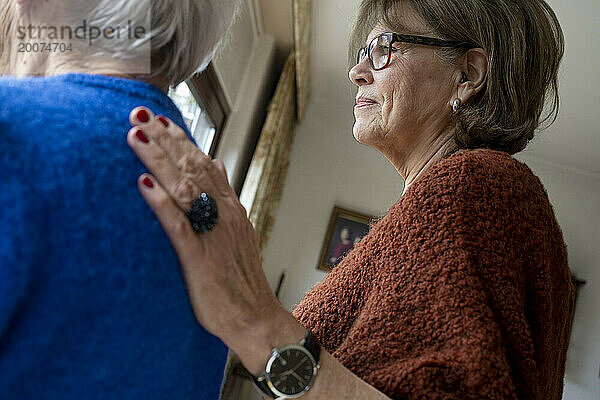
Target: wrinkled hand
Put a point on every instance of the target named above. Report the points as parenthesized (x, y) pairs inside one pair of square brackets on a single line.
[(228, 290)]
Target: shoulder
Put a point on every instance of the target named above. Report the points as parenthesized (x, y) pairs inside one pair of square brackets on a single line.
[(472, 185), (485, 162), (474, 165), (37, 100), (33, 84), (481, 172), (15, 90)]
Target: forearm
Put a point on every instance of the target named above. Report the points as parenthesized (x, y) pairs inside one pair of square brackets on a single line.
[(333, 380), (229, 293)]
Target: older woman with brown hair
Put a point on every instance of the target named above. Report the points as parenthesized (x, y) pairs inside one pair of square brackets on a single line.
[(462, 291)]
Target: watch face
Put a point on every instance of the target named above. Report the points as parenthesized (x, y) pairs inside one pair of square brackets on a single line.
[(292, 371)]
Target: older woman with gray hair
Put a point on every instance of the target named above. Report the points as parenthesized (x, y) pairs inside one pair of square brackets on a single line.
[(88, 308), (462, 290)]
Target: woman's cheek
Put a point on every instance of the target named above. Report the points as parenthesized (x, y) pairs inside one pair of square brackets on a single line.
[(388, 116)]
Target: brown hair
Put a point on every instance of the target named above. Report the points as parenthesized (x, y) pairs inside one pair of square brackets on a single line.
[(524, 43)]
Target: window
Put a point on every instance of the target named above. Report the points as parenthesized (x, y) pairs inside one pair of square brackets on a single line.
[(202, 102), (194, 115)]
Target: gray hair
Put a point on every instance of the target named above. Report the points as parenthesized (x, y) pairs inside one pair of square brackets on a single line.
[(6, 25), (187, 34), (184, 34)]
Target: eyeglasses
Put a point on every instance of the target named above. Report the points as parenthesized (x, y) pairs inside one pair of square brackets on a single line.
[(379, 50)]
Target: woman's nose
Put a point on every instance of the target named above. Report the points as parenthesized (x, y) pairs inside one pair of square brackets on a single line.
[(361, 73)]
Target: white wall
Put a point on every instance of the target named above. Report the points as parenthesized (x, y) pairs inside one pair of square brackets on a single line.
[(328, 167), (573, 139), (575, 196), (232, 60), (244, 124), (247, 71), (277, 17)]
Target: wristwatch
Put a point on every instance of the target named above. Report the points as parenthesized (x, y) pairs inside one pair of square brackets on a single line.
[(291, 370)]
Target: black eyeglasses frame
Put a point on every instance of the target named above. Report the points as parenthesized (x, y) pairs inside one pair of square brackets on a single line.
[(414, 39)]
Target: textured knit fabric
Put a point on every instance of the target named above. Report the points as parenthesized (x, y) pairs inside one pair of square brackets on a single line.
[(462, 291), (92, 301)]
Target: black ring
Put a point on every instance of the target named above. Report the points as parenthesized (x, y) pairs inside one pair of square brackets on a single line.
[(203, 214)]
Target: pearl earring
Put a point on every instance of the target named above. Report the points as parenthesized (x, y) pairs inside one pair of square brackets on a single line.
[(456, 105)]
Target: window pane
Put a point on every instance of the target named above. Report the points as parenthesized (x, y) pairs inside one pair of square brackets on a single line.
[(195, 116)]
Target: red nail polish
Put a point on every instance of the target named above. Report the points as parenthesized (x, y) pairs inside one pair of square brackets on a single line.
[(148, 183), (143, 116), (141, 136), (164, 121)]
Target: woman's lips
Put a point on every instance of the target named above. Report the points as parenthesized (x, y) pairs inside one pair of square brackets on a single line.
[(363, 102)]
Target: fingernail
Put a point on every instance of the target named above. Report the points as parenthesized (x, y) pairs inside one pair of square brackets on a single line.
[(164, 121), (143, 116), (141, 136), (148, 183)]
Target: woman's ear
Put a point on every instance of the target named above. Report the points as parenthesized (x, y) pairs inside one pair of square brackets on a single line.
[(473, 75)]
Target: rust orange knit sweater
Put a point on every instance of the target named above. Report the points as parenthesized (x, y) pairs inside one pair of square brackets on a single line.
[(462, 291)]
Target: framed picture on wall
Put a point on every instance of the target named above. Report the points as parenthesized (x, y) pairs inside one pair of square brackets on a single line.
[(346, 229)]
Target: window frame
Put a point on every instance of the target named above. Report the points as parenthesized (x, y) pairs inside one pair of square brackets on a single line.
[(208, 92)]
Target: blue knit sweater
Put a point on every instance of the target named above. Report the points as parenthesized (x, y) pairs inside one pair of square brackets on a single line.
[(92, 301)]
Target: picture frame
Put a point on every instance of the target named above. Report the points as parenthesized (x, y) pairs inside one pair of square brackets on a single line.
[(346, 228)]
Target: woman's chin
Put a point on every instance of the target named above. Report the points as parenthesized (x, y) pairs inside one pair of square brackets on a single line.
[(357, 137), (362, 135)]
